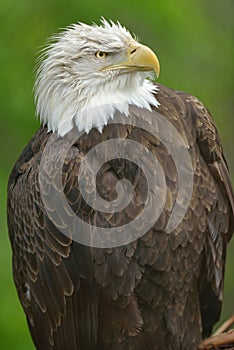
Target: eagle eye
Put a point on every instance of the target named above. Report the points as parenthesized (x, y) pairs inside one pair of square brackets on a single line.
[(100, 54)]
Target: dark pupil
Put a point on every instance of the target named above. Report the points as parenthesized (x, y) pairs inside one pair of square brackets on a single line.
[(101, 54)]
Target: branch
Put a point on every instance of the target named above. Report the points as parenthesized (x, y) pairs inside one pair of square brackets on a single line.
[(220, 340)]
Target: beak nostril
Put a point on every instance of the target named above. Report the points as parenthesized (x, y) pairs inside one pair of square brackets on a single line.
[(134, 50)]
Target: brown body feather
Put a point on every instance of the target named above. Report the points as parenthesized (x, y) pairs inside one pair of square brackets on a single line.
[(162, 291)]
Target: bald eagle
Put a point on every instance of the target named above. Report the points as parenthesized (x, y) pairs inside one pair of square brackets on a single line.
[(87, 277)]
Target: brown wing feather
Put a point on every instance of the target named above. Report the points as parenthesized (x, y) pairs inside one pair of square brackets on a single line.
[(220, 215), (43, 281), (146, 294)]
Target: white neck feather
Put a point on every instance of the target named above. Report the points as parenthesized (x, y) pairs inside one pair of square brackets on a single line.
[(102, 106), (61, 112)]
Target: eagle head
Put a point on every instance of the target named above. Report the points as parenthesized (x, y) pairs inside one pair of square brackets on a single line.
[(88, 72)]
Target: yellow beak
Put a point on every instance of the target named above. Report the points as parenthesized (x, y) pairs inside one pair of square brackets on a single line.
[(139, 58)]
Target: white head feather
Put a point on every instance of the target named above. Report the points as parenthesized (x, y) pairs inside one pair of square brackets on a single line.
[(72, 90)]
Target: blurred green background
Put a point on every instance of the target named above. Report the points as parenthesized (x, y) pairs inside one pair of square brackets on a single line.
[(194, 41)]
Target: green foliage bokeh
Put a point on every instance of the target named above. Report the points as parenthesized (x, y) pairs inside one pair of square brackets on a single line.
[(194, 42)]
